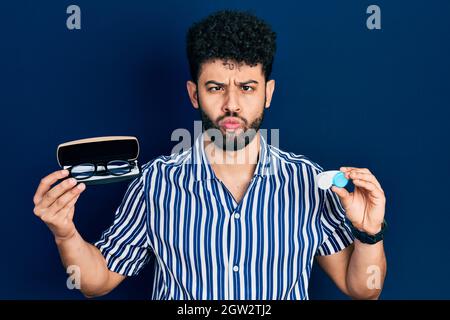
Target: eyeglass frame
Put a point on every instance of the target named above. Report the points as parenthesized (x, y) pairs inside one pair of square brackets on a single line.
[(132, 164)]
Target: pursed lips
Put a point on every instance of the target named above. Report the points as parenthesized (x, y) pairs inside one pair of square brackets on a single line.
[(230, 123)]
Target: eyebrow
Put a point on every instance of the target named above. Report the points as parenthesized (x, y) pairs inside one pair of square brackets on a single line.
[(223, 84)]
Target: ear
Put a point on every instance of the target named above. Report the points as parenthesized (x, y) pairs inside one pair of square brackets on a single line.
[(270, 87), (193, 94)]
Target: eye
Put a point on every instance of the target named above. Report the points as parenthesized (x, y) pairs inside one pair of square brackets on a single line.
[(216, 88), (247, 88)]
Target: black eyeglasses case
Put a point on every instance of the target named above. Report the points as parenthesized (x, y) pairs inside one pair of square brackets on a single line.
[(100, 150)]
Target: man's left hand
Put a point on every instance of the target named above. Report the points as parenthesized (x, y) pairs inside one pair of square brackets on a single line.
[(365, 206)]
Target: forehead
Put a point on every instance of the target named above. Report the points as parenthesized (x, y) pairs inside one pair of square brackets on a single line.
[(221, 70)]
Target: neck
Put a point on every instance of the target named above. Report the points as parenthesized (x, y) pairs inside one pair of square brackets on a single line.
[(235, 163)]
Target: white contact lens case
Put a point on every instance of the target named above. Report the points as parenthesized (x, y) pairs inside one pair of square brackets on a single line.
[(327, 179)]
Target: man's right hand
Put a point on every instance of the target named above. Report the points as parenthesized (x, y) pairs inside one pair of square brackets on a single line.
[(56, 206)]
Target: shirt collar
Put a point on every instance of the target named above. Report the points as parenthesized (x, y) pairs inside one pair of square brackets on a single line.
[(202, 170)]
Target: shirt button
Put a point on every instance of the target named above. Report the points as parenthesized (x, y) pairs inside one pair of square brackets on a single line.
[(235, 268), (237, 215)]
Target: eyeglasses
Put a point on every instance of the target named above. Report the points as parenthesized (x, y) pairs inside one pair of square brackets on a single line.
[(114, 167)]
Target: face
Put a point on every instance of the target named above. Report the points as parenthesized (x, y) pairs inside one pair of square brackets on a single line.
[(231, 98)]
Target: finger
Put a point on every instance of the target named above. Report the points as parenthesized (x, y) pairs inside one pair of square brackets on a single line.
[(352, 170), (49, 214), (369, 186), (347, 169), (67, 211), (354, 174), (341, 192), (46, 183), (53, 194), (71, 207), (66, 198)]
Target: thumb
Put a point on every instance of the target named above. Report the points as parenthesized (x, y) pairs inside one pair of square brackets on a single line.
[(341, 192)]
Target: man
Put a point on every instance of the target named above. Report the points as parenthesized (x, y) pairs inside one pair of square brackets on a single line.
[(218, 226)]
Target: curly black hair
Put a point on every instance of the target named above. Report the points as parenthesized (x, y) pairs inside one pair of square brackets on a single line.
[(231, 35)]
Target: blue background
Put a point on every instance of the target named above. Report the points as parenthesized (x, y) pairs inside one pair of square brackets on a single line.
[(345, 95)]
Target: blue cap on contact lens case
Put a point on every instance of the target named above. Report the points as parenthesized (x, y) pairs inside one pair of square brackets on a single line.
[(339, 180)]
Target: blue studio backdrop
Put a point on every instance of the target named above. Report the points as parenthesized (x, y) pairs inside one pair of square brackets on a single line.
[(345, 95)]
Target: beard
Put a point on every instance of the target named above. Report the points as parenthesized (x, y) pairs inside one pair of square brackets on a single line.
[(231, 141)]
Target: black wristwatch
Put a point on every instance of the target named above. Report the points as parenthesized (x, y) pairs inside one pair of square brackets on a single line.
[(368, 238)]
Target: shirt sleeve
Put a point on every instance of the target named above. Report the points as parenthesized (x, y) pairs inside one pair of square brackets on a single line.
[(125, 244), (337, 235)]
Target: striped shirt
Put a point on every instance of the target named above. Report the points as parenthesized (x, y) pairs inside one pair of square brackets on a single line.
[(205, 245)]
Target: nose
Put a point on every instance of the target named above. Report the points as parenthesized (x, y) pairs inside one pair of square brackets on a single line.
[(231, 102)]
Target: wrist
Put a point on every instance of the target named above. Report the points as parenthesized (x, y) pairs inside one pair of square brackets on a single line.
[(368, 235), (369, 228), (60, 240)]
